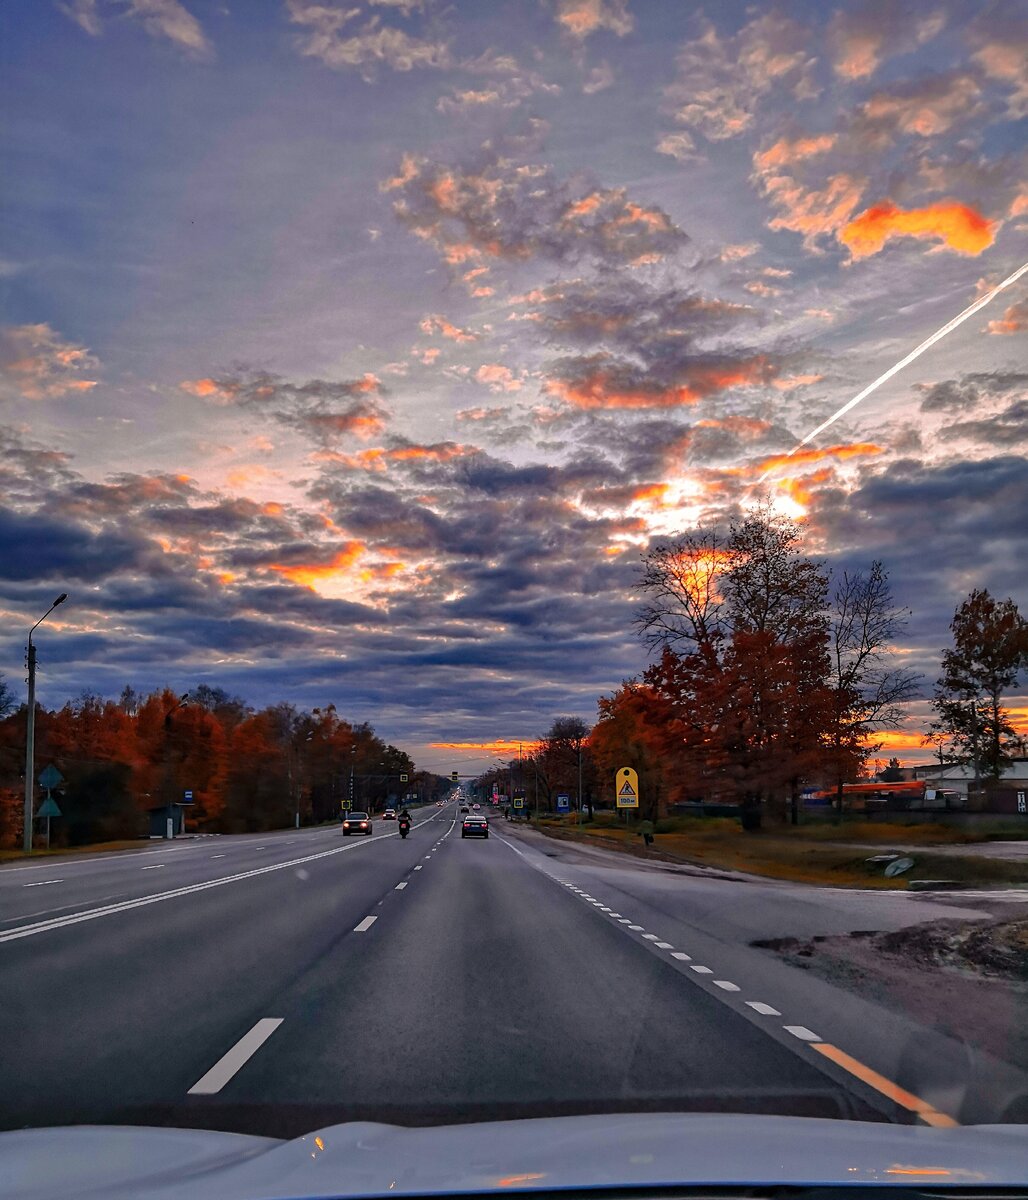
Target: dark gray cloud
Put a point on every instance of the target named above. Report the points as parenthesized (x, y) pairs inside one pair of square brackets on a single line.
[(495, 208), (1006, 428), (320, 409), (954, 395)]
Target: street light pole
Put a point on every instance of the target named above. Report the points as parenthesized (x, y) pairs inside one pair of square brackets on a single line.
[(30, 728)]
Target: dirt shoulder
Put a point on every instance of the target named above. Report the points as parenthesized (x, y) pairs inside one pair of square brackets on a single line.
[(967, 979), (797, 857)]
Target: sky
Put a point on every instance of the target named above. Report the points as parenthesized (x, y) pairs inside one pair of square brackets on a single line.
[(355, 352)]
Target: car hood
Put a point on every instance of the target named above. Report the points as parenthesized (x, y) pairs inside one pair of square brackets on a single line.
[(637, 1151)]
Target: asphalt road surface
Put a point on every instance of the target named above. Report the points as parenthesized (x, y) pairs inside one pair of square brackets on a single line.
[(280, 982)]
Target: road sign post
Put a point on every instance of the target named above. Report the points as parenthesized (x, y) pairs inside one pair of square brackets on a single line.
[(626, 789), (563, 803)]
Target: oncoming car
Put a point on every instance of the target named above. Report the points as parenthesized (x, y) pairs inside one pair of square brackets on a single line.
[(357, 822), (389, 814), (474, 827)]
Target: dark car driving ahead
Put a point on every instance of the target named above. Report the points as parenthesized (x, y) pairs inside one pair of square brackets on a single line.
[(357, 822), (474, 827)]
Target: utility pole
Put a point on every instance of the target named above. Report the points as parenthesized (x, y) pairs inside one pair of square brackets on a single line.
[(30, 729)]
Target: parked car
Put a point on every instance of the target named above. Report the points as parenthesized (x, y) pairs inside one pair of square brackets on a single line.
[(357, 822), (474, 827)]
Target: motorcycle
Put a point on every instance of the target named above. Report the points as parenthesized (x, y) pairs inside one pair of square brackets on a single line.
[(404, 828)]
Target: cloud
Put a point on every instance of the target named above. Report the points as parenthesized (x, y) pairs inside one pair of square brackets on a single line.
[(1006, 428), (36, 363), (1001, 53), (602, 381), (810, 454), (160, 18), (499, 209), (951, 395), (437, 324), (368, 48), (599, 79), (681, 146), (319, 409), (498, 378), (811, 212), (1014, 319), (960, 228), (925, 107), (861, 38), (723, 81), (648, 321), (309, 574), (581, 18), (786, 152)]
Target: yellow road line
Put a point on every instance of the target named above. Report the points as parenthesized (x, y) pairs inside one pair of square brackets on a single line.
[(901, 1096)]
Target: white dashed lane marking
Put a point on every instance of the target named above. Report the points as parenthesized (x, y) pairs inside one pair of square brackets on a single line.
[(399, 887), (765, 1010), (923, 1109), (237, 1057), (365, 925), (802, 1032), (42, 882), (418, 867), (153, 867)]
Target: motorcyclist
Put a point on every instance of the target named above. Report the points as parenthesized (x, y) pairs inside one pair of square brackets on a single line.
[(404, 820)]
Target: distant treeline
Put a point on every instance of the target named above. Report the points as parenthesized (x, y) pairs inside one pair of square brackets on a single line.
[(247, 770)]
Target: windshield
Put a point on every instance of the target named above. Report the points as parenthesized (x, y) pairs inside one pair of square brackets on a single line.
[(599, 427)]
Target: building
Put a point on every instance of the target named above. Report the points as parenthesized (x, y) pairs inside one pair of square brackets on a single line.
[(959, 777)]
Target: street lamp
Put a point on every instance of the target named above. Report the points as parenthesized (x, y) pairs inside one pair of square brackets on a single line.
[(30, 727)]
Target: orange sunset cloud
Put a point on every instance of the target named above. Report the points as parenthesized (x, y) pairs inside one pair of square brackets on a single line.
[(308, 574), (603, 389), (959, 227), (811, 455)]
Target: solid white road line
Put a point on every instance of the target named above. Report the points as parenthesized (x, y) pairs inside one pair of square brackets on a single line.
[(802, 1032), (765, 1010), (92, 914), (153, 867), (42, 882), (238, 1056), (217, 856), (399, 887)]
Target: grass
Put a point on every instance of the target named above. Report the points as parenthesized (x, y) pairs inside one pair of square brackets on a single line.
[(796, 855)]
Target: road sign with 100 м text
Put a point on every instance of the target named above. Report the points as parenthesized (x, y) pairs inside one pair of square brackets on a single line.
[(626, 787)]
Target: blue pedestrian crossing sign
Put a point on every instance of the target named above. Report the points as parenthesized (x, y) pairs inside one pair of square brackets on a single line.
[(519, 801), (626, 787), (563, 802)]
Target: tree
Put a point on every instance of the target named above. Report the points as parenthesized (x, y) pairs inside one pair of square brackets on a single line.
[(868, 690), (990, 649), (6, 698), (562, 758), (743, 628), (893, 773)]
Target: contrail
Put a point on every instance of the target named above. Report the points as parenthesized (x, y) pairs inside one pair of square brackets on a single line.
[(915, 353)]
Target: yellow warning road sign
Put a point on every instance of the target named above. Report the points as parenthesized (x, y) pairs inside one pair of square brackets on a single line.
[(626, 787)]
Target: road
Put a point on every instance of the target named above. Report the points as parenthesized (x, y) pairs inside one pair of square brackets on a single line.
[(277, 983)]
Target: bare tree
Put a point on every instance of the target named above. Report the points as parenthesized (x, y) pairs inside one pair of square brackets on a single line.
[(6, 698), (869, 689)]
